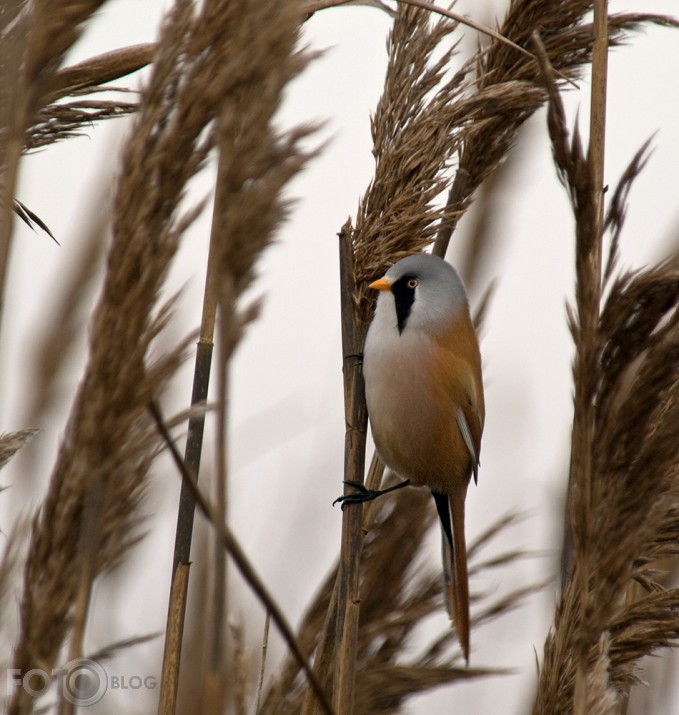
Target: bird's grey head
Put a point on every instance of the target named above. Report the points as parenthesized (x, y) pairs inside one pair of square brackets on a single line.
[(424, 290)]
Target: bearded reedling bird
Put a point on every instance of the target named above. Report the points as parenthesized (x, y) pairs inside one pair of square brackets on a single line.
[(424, 391)]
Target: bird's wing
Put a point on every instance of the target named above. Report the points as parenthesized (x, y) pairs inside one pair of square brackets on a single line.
[(465, 426)]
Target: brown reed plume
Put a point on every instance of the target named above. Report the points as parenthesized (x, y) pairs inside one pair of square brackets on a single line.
[(624, 491), (423, 122), (81, 84), (11, 443), (90, 513), (412, 144), (566, 33), (57, 342), (398, 593), (414, 139), (218, 72), (259, 58), (34, 39)]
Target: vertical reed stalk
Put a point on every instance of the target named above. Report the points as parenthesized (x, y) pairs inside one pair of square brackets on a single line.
[(176, 611), (356, 421), (213, 678), (589, 302), (13, 90), (10, 156), (214, 673), (90, 533)]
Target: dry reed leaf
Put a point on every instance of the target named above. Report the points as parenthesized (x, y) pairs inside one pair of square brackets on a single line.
[(384, 690), (107, 67), (59, 119), (35, 38), (31, 219), (53, 27), (313, 6)]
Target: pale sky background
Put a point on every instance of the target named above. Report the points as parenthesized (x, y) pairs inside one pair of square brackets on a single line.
[(287, 422)]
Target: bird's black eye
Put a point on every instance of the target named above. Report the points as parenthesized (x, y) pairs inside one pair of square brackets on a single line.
[(413, 283)]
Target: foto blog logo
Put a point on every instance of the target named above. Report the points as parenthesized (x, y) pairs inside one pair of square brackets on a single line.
[(81, 681)]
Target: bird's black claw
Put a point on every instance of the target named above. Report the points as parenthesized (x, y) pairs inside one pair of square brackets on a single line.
[(362, 494)]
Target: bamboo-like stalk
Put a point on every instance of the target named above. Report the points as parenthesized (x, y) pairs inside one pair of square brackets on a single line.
[(213, 678), (356, 421), (174, 634), (176, 610), (597, 124), (589, 255), (214, 681)]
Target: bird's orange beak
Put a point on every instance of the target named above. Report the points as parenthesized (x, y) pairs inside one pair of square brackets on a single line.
[(381, 284)]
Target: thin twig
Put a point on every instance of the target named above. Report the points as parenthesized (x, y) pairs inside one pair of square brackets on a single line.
[(230, 543), (262, 666), (313, 7)]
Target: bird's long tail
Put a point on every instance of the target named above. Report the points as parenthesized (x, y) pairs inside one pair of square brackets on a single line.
[(451, 513)]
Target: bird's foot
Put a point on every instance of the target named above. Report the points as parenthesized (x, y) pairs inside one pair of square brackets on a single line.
[(363, 494)]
